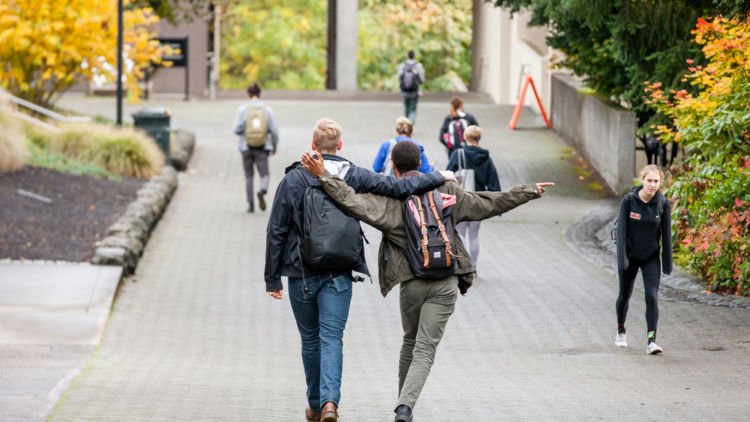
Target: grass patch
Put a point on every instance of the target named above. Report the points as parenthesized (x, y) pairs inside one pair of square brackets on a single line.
[(95, 149), (40, 157)]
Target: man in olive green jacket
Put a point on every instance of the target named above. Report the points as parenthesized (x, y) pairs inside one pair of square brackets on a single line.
[(426, 305)]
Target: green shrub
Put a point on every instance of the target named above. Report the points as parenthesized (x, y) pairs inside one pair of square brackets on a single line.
[(42, 157), (13, 152), (122, 151)]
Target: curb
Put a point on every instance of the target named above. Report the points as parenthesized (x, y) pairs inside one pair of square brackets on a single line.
[(590, 237), (127, 237)]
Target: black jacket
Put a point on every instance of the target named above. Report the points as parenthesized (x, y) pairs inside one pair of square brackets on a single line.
[(478, 159), (285, 222), (640, 227), (470, 121)]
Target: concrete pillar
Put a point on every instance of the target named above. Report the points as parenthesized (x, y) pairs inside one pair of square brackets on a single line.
[(346, 45), (491, 51)]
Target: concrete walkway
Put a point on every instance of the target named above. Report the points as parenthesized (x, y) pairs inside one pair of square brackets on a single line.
[(52, 316), (193, 336)]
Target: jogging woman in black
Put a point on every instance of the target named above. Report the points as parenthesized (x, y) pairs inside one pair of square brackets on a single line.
[(643, 223)]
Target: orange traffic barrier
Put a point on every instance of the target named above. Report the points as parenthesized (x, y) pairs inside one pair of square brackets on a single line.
[(517, 111)]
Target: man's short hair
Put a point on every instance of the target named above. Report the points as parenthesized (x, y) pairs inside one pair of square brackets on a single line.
[(253, 90), (473, 133), (405, 156), (404, 126), (410, 54), (327, 135)]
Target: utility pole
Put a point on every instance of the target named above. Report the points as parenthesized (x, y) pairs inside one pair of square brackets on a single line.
[(119, 62), (331, 46)]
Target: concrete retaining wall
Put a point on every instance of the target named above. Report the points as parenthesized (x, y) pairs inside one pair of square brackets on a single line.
[(603, 132)]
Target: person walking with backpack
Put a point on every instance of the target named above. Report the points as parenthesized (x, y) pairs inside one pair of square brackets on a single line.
[(421, 252), (383, 163), (452, 133), (477, 160), (255, 125), (410, 75), (320, 292), (643, 227)]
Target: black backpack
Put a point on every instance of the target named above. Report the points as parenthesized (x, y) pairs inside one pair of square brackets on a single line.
[(330, 240), (409, 78), (456, 129), (660, 203), (430, 246)]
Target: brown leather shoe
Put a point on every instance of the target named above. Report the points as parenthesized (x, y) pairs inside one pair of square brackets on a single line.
[(329, 413), (312, 416)]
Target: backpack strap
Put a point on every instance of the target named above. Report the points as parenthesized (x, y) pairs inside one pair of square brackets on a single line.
[(441, 227), (423, 229)]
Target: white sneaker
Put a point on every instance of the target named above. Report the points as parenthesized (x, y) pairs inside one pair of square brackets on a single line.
[(653, 349), (621, 340)]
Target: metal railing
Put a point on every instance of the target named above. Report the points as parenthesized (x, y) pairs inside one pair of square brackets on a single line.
[(20, 102)]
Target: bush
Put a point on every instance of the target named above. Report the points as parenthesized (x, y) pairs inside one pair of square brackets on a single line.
[(123, 151), (711, 190), (13, 152)]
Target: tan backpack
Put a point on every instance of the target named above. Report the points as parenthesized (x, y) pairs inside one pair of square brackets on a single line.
[(256, 127)]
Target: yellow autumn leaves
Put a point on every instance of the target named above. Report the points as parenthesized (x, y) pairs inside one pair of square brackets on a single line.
[(46, 46)]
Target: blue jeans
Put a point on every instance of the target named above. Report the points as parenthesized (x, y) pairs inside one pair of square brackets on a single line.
[(321, 307), (410, 108)]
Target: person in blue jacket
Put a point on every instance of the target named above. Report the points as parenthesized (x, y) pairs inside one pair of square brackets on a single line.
[(404, 129), (485, 180)]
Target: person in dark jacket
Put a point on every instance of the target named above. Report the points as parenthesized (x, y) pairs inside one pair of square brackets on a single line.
[(485, 180), (643, 227), (454, 126), (320, 301)]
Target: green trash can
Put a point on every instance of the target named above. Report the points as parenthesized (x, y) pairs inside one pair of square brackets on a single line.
[(155, 122)]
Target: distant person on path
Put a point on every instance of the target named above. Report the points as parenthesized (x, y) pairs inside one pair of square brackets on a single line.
[(410, 77), (426, 304), (475, 158), (643, 226), (259, 136), (320, 299), (452, 133), (383, 163)]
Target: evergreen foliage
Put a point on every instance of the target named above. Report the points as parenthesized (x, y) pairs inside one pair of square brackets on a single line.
[(617, 45)]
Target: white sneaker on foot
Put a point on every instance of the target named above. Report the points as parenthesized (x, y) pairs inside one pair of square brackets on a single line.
[(653, 349), (621, 340)]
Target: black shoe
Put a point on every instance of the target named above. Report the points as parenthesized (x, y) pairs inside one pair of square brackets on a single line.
[(403, 413), (261, 201), (250, 208)]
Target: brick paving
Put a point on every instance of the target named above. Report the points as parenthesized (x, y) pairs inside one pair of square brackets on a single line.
[(193, 336)]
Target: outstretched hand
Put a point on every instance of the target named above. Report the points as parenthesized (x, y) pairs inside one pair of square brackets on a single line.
[(542, 185), (313, 164)]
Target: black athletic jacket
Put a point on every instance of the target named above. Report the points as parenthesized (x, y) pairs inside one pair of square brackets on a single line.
[(285, 222), (640, 227), (478, 159)]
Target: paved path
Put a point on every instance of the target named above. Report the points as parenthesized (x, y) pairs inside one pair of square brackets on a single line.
[(194, 337)]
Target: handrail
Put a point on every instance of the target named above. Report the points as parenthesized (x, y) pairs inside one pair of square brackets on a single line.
[(34, 121), (49, 113), (41, 110)]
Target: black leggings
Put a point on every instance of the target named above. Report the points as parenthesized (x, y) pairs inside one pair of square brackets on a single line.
[(651, 270)]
